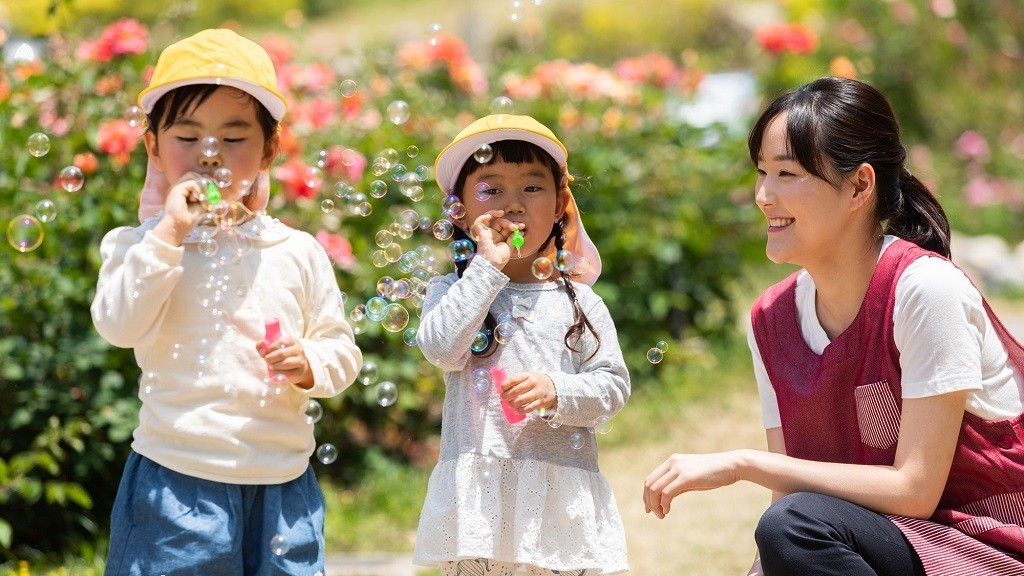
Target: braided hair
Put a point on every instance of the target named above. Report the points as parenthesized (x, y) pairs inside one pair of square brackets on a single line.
[(521, 152)]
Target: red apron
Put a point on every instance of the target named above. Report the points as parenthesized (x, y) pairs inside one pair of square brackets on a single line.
[(844, 406)]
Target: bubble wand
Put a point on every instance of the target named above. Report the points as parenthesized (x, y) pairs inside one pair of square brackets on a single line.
[(272, 334), (517, 242), (498, 375), (212, 194)]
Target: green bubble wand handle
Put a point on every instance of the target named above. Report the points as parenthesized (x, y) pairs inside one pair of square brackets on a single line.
[(518, 241)]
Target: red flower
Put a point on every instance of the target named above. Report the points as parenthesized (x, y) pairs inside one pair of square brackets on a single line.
[(278, 48), (292, 174), (344, 163), (117, 138), (124, 37), (338, 248), (780, 38)]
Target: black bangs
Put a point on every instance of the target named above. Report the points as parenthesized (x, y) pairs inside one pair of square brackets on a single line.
[(179, 101), (511, 152)]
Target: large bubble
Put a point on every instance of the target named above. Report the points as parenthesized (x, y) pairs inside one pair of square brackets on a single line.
[(25, 233)]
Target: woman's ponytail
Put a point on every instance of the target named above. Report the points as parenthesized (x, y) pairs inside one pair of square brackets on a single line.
[(918, 217)]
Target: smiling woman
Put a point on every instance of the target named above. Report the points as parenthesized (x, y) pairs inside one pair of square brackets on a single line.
[(891, 393)]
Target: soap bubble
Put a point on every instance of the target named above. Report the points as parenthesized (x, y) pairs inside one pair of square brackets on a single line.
[(71, 178), (483, 154), (223, 177), (409, 336), (46, 210), (396, 318), (563, 260), (313, 177), (376, 308), (460, 250), (543, 268), (313, 411), (38, 144), (479, 343), (482, 191), (378, 188), (279, 545), (482, 381), (655, 355), (503, 105), (443, 229), (24, 233), (369, 373), (349, 88), (134, 116), (209, 146), (577, 440), (387, 393), (398, 112), (326, 453)]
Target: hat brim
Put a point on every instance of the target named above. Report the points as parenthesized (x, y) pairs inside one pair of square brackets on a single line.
[(451, 160), (272, 101)]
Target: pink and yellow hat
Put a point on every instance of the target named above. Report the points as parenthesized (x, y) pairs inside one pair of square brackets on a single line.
[(221, 57), (498, 127)]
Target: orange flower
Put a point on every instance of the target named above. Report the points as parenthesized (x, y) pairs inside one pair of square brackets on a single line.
[(842, 66), (86, 162), (109, 85)]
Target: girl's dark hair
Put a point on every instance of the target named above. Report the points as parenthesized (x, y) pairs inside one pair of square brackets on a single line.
[(172, 105), (836, 124), (521, 152)]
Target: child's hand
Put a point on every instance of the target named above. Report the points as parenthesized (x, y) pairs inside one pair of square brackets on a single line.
[(492, 235), (181, 209), (529, 391), (286, 358)]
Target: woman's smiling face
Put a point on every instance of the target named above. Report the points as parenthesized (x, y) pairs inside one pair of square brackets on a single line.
[(805, 213)]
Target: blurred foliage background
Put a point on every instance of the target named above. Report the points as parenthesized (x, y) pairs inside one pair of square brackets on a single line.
[(663, 180)]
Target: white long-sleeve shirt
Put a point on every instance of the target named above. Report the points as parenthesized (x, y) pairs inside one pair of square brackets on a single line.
[(193, 314)]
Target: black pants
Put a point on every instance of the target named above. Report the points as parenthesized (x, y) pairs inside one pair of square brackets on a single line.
[(811, 534)]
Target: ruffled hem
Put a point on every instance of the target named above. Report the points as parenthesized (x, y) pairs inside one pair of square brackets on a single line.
[(521, 511)]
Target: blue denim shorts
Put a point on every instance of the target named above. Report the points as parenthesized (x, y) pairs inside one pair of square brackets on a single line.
[(168, 524)]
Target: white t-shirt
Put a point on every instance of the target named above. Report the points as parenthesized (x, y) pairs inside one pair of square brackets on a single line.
[(945, 339)]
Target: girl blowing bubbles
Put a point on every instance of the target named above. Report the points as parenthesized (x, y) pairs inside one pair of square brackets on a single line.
[(528, 494), (219, 479), (892, 395)]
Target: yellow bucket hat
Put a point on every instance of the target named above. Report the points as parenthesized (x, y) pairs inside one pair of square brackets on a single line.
[(219, 57), (498, 127)]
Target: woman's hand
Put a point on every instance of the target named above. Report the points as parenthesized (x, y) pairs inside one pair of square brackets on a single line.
[(286, 359), (529, 391), (685, 473), (492, 235)]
